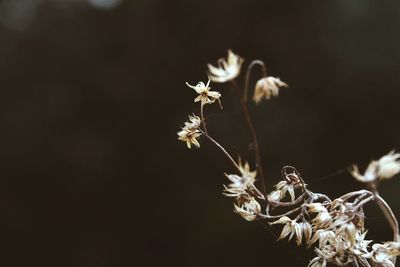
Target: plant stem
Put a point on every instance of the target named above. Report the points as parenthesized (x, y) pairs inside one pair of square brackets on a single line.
[(222, 149), (247, 78), (202, 117), (249, 122), (387, 211)]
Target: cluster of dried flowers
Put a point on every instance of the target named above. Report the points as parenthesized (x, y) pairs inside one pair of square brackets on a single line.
[(334, 228)]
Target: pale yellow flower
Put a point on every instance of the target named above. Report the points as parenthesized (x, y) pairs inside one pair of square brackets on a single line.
[(267, 87), (227, 70), (205, 95), (190, 132), (384, 168)]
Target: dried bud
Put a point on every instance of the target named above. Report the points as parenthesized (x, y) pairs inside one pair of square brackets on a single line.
[(267, 87)]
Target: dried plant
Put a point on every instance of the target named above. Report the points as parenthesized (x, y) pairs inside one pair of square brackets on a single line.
[(333, 228)]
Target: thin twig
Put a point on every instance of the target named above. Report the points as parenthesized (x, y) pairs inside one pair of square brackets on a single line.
[(222, 149), (202, 117), (387, 211)]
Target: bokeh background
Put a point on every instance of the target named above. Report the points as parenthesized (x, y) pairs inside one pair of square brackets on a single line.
[(93, 92)]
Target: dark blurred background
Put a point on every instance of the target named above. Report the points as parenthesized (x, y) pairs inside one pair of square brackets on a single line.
[(93, 92)]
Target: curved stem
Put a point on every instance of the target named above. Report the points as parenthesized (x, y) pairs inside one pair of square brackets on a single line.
[(387, 211), (288, 204), (247, 78), (257, 154), (363, 202), (271, 217)]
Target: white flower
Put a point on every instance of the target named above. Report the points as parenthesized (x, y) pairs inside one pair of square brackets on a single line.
[(384, 168), (249, 210), (205, 95), (190, 132), (267, 87), (227, 69)]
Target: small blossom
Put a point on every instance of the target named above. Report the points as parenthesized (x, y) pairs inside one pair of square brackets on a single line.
[(227, 70), (267, 87), (249, 210), (384, 168), (205, 95), (190, 132)]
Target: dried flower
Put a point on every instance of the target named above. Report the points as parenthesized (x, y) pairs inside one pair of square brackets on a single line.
[(205, 95), (249, 210), (383, 253), (227, 70), (267, 87), (293, 228), (242, 184), (323, 218), (190, 132), (384, 168), (323, 236), (280, 191)]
